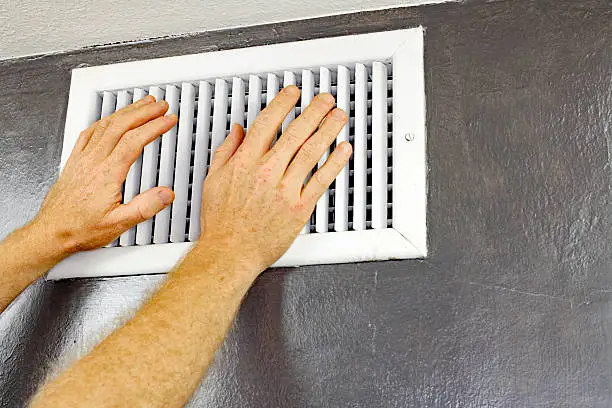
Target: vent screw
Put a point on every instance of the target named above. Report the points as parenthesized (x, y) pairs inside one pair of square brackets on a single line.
[(409, 137)]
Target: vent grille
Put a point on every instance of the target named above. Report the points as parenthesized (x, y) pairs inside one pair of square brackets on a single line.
[(361, 197), (374, 210)]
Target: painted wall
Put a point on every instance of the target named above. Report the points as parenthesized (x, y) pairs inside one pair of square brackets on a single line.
[(513, 306), (29, 27)]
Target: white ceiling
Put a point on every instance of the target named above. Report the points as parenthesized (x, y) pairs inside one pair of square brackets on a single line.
[(30, 27)]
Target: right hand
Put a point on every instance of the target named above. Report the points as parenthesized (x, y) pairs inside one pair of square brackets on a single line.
[(254, 200)]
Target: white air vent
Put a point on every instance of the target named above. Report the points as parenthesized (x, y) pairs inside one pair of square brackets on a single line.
[(376, 208)]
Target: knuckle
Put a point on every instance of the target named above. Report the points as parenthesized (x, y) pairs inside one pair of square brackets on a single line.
[(264, 174), (320, 179), (131, 135), (104, 122), (141, 213), (116, 122), (131, 150), (238, 164), (131, 143), (284, 187), (308, 120), (310, 151), (287, 199), (298, 206), (325, 99), (265, 116), (313, 122), (293, 134)]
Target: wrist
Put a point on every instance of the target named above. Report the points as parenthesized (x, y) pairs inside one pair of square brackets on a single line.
[(48, 244), (223, 255)]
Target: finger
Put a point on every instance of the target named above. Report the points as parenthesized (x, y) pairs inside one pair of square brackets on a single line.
[(139, 103), (266, 125), (133, 142), (300, 130), (110, 129), (228, 147), (311, 151), (323, 177), (84, 137), (142, 207)]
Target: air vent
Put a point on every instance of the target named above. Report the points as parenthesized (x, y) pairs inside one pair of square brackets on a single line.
[(375, 210)]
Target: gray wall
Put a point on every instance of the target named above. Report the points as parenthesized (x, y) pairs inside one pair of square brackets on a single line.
[(30, 27), (512, 309)]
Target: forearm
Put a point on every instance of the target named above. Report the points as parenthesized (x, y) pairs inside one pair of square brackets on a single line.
[(25, 255), (159, 357)]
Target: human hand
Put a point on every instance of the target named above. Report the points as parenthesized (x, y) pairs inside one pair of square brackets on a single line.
[(84, 209), (254, 199)]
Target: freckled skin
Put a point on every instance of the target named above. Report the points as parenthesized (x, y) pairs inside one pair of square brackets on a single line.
[(255, 203)]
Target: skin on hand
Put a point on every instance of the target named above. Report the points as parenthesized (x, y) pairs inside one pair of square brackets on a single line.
[(254, 199), (84, 209)]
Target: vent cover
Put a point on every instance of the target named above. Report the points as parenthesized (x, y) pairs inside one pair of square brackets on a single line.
[(375, 210)]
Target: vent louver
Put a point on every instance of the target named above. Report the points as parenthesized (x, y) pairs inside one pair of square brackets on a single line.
[(374, 210)]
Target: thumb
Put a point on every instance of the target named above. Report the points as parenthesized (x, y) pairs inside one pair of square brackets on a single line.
[(143, 206)]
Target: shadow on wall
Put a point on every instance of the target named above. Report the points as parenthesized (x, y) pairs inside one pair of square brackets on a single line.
[(45, 337), (254, 355)]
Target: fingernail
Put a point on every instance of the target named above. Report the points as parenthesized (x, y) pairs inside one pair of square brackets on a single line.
[(291, 89), (166, 196), (327, 97), (163, 103), (346, 147), (171, 118), (339, 114), (148, 99)]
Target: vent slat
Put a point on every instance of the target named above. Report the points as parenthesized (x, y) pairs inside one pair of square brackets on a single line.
[(183, 163), (321, 210), (308, 87), (360, 147), (109, 101), (254, 104), (201, 154), (272, 88), (379, 145), (288, 79), (161, 231), (220, 104), (132, 183), (148, 179), (343, 100), (237, 113)]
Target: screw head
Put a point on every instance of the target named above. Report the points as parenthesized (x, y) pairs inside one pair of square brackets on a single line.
[(409, 136)]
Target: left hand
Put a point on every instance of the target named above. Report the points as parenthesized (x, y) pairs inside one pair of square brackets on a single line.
[(84, 209)]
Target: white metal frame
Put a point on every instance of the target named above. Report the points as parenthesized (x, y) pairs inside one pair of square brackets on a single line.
[(404, 48)]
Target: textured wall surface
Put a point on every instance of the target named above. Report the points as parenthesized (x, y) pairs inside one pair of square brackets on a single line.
[(512, 309), (29, 27)]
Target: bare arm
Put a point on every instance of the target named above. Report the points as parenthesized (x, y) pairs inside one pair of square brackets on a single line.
[(83, 209), (255, 203), (24, 256)]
